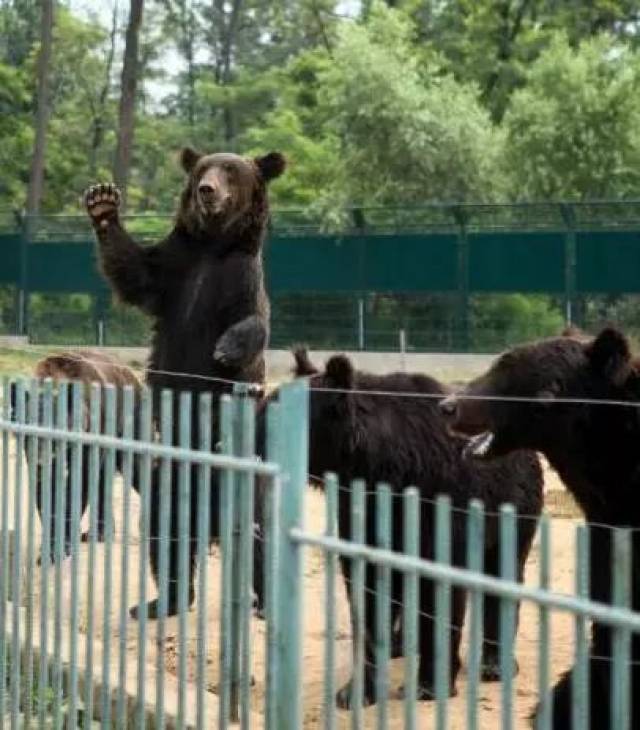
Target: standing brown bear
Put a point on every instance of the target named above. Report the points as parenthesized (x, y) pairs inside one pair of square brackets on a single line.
[(203, 286)]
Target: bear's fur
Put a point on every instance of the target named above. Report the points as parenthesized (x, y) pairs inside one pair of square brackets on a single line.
[(403, 441), (87, 367), (593, 447), (203, 286)]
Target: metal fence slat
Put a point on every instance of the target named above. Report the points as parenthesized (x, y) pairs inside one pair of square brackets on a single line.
[(508, 551), (75, 485), (204, 501), (384, 626), (475, 561), (272, 569), (581, 699), (143, 474), (544, 693), (93, 472), (442, 624), (227, 508), (358, 566), (330, 566), (109, 468), (184, 548), (621, 639), (126, 427), (166, 436), (410, 593)]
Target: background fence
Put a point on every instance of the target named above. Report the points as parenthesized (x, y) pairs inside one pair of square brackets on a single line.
[(70, 653), (445, 275)]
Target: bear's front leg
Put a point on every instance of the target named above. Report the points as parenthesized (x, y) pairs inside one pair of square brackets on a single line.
[(132, 271), (241, 343)]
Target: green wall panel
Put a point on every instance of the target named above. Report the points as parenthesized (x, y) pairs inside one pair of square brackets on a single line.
[(318, 263), (9, 258), (522, 262), (63, 267), (410, 263), (608, 262), (352, 263)]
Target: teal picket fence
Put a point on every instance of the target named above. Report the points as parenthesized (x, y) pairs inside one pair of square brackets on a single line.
[(71, 655)]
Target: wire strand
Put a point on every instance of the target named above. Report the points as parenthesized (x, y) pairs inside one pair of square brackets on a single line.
[(367, 392)]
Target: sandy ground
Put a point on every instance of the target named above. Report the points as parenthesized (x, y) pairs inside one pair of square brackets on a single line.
[(526, 691)]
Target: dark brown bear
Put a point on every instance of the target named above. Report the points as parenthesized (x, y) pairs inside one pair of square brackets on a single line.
[(593, 446), (87, 367), (403, 441), (203, 285)]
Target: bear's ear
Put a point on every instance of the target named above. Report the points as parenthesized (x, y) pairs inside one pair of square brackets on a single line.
[(610, 355), (271, 165), (303, 365), (189, 159), (339, 370)]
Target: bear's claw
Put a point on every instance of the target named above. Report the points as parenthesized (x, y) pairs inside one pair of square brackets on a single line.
[(101, 201)]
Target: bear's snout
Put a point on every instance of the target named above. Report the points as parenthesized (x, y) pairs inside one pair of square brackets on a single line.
[(206, 190), (213, 191)]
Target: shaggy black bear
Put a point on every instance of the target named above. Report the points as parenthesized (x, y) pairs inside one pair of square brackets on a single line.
[(203, 286), (594, 448), (403, 441), (87, 367)]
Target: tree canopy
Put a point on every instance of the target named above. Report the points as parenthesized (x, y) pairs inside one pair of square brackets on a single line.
[(374, 103)]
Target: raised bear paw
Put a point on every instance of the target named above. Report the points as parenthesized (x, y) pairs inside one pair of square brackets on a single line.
[(102, 202)]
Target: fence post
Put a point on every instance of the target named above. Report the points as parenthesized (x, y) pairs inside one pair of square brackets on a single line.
[(461, 338), (22, 320), (569, 217), (100, 305), (290, 450)]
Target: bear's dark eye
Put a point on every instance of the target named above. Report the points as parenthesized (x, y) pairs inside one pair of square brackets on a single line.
[(228, 167)]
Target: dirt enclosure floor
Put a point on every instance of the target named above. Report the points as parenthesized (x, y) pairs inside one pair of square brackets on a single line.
[(562, 544)]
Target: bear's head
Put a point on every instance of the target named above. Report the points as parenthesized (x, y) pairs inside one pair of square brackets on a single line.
[(330, 409), (226, 193), (545, 397)]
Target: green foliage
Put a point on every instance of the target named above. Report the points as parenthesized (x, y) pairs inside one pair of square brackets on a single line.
[(16, 134), (297, 125), (403, 103), (407, 134), (574, 130), (497, 321)]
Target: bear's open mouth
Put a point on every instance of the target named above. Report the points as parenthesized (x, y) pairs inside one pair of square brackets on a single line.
[(478, 446)]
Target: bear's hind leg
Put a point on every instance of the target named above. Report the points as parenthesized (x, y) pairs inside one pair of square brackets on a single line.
[(168, 548)]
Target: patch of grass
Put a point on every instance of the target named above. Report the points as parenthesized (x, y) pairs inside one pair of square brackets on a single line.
[(20, 361)]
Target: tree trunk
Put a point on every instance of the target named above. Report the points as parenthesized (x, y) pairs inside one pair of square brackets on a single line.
[(126, 115), (99, 109), (43, 109), (228, 48)]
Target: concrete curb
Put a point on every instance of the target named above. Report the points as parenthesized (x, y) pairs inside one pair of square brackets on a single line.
[(171, 685)]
